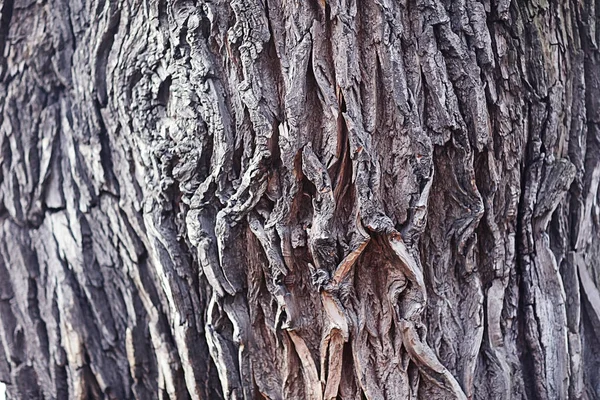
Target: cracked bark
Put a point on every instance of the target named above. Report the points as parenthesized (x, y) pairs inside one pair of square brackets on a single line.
[(300, 200)]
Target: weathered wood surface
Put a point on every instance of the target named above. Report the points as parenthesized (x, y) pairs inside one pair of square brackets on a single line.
[(310, 199)]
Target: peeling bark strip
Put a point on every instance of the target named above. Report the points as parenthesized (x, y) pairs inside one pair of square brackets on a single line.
[(300, 199)]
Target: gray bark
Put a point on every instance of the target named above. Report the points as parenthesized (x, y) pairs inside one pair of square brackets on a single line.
[(311, 199)]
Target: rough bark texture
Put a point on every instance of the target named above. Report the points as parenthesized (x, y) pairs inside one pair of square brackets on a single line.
[(300, 199)]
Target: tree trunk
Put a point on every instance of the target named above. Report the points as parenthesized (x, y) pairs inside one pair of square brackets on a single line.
[(305, 199)]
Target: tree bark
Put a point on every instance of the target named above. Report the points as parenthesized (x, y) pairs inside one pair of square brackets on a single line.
[(300, 199)]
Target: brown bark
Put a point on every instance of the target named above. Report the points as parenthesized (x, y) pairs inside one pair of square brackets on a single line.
[(300, 199)]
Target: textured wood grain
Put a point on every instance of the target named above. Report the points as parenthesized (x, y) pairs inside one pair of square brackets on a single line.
[(300, 199)]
